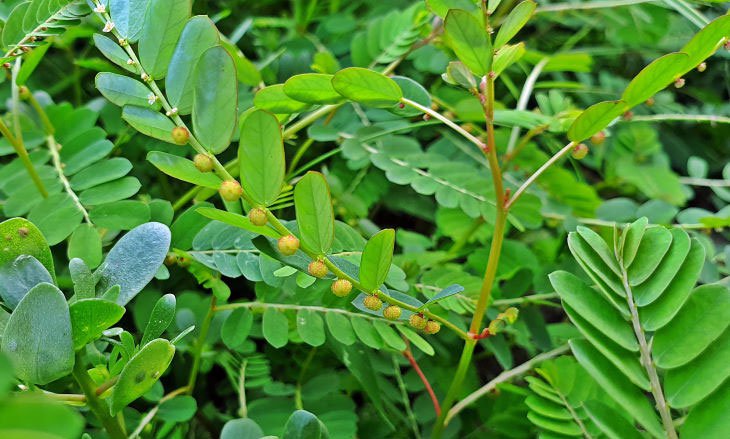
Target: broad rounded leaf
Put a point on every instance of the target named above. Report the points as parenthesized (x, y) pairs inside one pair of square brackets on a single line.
[(113, 52), (236, 327), (315, 217), (655, 77), (183, 169), (275, 327), (376, 259), (261, 157), (241, 429), (312, 88), (304, 425), (215, 99), (91, 317), (142, 371), (367, 87), (20, 276), (22, 237), (38, 338), (595, 118), (162, 26), (515, 21), (274, 99), (160, 319), (122, 90), (149, 122), (709, 418), (128, 17), (310, 327), (85, 244), (469, 40)]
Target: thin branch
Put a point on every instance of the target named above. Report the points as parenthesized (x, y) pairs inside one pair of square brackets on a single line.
[(436, 115), (558, 155), (678, 117), (523, 100), (559, 7), (612, 224), (707, 182), (503, 377), (414, 364), (24, 158), (53, 147), (526, 299), (406, 400)]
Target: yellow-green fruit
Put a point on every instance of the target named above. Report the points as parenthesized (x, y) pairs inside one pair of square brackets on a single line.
[(598, 138), (702, 67), (180, 135), (230, 190), (432, 327), (392, 312), (288, 245), (373, 303), (170, 259), (580, 151), (341, 287), (317, 269), (417, 321), (203, 163), (257, 216)]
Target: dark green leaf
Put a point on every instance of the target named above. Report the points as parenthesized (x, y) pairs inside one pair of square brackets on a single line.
[(469, 40), (367, 87), (139, 375), (261, 157), (215, 99), (183, 169), (91, 317), (161, 29), (315, 217)]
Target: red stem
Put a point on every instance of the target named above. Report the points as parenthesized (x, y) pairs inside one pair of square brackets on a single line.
[(407, 353)]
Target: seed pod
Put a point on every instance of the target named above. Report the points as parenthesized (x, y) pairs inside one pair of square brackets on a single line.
[(432, 327), (679, 83), (170, 259), (702, 67), (230, 190), (417, 321), (579, 151), (257, 216), (288, 245), (183, 262), (372, 302), (598, 138), (180, 135), (317, 269), (392, 312), (203, 163), (341, 287), (510, 314), (23, 92)]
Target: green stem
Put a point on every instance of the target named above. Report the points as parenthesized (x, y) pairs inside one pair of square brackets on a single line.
[(298, 393), (199, 345), (455, 388), (100, 409), (24, 158)]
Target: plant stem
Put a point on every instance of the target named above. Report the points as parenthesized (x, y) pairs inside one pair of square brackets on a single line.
[(558, 7), (565, 150), (100, 409), (24, 158), (414, 364), (522, 104), (406, 400), (455, 388), (200, 343), (525, 299), (503, 377), (302, 371), (436, 115)]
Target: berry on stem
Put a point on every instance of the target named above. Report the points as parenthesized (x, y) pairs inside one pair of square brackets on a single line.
[(392, 312), (417, 321), (373, 302), (317, 269), (257, 216), (341, 287), (432, 327), (203, 163), (288, 245), (230, 190), (180, 135), (598, 138), (579, 151)]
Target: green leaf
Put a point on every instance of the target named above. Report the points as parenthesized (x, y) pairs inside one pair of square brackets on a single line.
[(37, 338), (29, 416), (236, 220), (709, 418), (366, 332), (261, 157), (315, 217), (178, 409), (56, 216), (199, 35), (134, 260), (655, 77), (122, 90), (654, 245), (389, 336), (21, 237), (415, 92), (616, 386), (469, 40), (128, 17), (367, 87), (120, 215), (304, 425), (706, 41), (241, 429), (376, 259), (648, 291), (142, 371), (310, 327), (82, 278), (595, 118), (702, 319), (590, 305), (274, 99), (100, 172), (113, 52), (183, 169), (416, 340), (85, 244), (161, 29), (149, 122), (506, 56), (444, 294), (109, 192), (20, 276), (237, 327), (610, 422), (340, 328), (631, 239), (160, 319), (275, 328), (91, 317), (215, 99), (515, 21), (312, 88)]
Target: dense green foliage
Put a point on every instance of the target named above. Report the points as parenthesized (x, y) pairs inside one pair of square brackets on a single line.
[(324, 219)]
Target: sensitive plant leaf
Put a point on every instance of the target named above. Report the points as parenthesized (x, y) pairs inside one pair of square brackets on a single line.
[(376, 259), (515, 21), (595, 118), (56, 216), (261, 157), (91, 317), (367, 87), (706, 42), (120, 215), (244, 428), (708, 418), (149, 122), (413, 91), (122, 90), (275, 327), (236, 327), (275, 100), (183, 169), (142, 371), (161, 28), (340, 328), (160, 319), (469, 40), (655, 77), (315, 217), (22, 237), (37, 338), (199, 35), (215, 99), (134, 260), (312, 88), (310, 327), (20, 276)]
